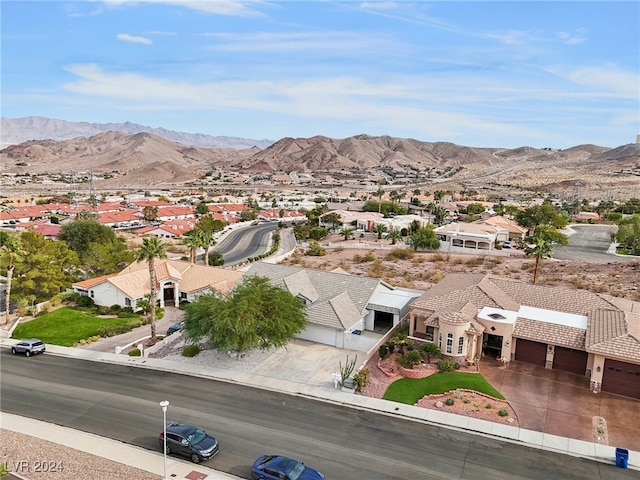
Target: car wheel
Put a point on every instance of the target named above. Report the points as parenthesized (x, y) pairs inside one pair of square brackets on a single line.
[(195, 458), (27, 353), (13, 350)]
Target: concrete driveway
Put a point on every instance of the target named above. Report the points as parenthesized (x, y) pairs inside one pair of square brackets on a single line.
[(560, 403)]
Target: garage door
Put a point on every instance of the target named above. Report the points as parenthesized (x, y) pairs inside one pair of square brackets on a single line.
[(570, 360), (531, 352), (621, 378)]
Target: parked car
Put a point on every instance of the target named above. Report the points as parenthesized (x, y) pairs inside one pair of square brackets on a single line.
[(189, 441), (506, 244), (277, 467), (174, 328), (29, 347)]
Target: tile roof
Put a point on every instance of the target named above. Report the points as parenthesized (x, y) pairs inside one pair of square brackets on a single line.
[(552, 333), (346, 293), (613, 326)]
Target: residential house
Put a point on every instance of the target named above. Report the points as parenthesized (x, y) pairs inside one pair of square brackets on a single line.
[(340, 306), (178, 281), (476, 236), (515, 232), (351, 219), (589, 334)]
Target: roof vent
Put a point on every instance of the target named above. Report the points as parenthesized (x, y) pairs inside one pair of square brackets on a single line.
[(497, 316)]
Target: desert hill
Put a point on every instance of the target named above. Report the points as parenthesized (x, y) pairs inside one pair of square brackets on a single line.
[(148, 159)]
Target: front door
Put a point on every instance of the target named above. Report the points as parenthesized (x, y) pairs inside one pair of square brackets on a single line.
[(492, 345)]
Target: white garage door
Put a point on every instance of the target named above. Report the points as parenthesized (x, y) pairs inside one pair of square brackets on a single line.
[(323, 335)]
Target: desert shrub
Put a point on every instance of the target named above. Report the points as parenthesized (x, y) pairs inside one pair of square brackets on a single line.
[(474, 261), (503, 412), (134, 352), (487, 406), (466, 400), (410, 359), (400, 254), (190, 350), (315, 249), (377, 269), (383, 350), (449, 401), (361, 378), (437, 276), (446, 365), (437, 257), (418, 260)]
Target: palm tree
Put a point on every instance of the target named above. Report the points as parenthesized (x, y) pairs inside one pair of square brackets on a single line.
[(540, 248), (190, 240), (151, 249), (379, 193), (347, 232), (11, 250), (394, 235), (380, 229)]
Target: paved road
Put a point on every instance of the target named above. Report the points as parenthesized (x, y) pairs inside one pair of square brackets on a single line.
[(121, 402), (589, 243), (238, 245)]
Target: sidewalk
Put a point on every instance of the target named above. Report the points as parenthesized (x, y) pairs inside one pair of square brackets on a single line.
[(150, 461)]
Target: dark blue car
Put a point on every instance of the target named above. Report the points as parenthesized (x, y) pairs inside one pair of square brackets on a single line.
[(277, 467), (174, 328)]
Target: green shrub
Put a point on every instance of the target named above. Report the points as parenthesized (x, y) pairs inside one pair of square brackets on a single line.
[(503, 412), (361, 378), (135, 352), (125, 314), (449, 401), (410, 359), (383, 350), (446, 365), (401, 254), (190, 350), (114, 309), (84, 301), (487, 406)]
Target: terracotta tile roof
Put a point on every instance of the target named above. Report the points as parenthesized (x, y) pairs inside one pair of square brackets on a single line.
[(93, 281), (552, 333), (614, 334)]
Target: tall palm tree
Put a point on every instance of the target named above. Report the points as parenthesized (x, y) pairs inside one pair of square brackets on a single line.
[(10, 251), (379, 193), (380, 228), (151, 249), (191, 241), (540, 248)]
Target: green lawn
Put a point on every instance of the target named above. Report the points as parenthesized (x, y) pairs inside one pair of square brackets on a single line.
[(66, 326), (410, 390)]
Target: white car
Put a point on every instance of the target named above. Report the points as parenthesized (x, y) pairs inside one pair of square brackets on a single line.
[(29, 347)]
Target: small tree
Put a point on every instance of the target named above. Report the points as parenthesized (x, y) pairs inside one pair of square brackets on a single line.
[(429, 349)]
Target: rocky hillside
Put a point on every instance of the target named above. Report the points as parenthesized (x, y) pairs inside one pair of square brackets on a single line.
[(147, 159)]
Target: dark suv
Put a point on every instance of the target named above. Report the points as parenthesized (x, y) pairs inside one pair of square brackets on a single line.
[(189, 441), (29, 347)]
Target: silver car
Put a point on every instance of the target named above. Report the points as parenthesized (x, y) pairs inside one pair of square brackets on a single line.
[(29, 347)]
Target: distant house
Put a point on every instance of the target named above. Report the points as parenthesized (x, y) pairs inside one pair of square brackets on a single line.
[(351, 219), (515, 231), (341, 306), (178, 281), (588, 334), (476, 236)]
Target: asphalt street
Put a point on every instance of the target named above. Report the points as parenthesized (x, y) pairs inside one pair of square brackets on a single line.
[(589, 243), (238, 245), (121, 402)]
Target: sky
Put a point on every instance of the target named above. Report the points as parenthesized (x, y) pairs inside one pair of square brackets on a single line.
[(485, 74)]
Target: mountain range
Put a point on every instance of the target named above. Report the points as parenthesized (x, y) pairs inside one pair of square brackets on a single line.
[(150, 159), (19, 130)]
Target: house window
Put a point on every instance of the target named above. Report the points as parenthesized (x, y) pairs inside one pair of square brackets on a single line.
[(127, 302), (440, 340), (460, 345), (430, 333), (91, 292), (449, 342), (183, 295)]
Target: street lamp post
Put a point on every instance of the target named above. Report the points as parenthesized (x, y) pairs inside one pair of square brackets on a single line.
[(164, 404)]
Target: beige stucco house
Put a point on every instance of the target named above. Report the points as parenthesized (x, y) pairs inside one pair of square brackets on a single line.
[(589, 334), (178, 281)]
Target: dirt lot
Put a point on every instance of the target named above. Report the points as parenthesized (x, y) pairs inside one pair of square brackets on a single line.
[(420, 270)]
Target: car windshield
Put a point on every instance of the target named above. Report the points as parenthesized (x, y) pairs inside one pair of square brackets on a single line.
[(37, 344), (196, 436), (296, 471)]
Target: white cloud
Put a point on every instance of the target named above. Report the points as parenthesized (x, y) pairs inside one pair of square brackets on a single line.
[(378, 5), (133, 39), (216, 7), (606, 80)]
